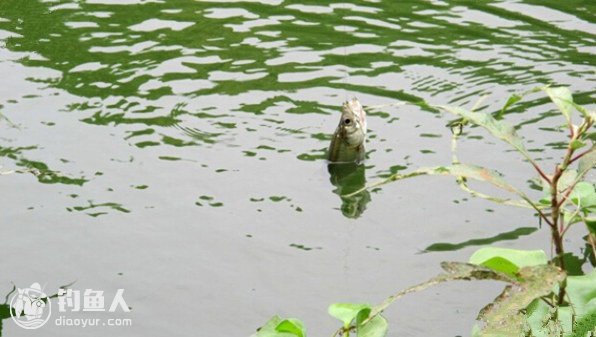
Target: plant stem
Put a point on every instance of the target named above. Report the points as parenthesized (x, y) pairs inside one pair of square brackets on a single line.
[(555, 231), (592, 240), (540, 172), (581, 155), (556, 206)]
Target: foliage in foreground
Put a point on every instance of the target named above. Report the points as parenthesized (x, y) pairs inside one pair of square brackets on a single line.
[(542, 297)]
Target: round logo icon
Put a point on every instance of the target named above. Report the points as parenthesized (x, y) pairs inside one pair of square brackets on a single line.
[(30, 308)]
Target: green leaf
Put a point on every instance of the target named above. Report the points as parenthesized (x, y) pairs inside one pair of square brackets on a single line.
[(562, 97), (376, 327), (347, 312), (289, 328), (268, 330), (453, 271), (478, 173), (504, 316), (362, 316), (476, 331), (581, 292), (292, 326), (512, 100), (516, 98), (567, 179), (577, 144), (497, 128), (584, 195), (503, 265), (570, 218), (591, 224), (584, 325), (587, 162), (585, 112), (457, 170), (541, 320), (520, 258)]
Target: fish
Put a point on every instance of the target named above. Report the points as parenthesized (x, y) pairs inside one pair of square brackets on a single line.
[(347, 143)]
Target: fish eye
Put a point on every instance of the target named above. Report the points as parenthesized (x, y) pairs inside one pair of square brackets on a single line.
[(347, 121)]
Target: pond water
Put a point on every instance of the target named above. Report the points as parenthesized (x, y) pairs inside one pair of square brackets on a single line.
[(179, 151)]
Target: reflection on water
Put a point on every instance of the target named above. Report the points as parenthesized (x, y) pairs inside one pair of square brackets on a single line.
[(184, 125), (512, 235), (186, 74), (349, 178), (4, 314)]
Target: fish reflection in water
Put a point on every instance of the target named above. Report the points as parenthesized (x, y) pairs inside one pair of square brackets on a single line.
[(349, 178), (345, 156)]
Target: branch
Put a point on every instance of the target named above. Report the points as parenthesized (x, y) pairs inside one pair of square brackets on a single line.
[(582, 154)]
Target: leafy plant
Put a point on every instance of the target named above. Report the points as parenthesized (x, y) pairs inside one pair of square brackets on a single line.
[(541, 298), (278, 327), (358, 318)]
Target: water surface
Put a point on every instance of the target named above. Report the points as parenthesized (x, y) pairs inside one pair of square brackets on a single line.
[(178, 148)]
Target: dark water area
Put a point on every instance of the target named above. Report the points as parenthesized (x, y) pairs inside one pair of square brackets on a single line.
[(179, 151)]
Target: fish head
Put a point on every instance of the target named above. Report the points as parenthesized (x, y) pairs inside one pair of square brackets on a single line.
[(353, 123)]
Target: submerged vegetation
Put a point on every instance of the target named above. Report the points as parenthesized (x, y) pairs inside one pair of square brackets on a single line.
[(543, 296)]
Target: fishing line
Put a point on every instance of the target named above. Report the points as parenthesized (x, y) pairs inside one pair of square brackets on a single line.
[(383, 106), (345, 61)]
